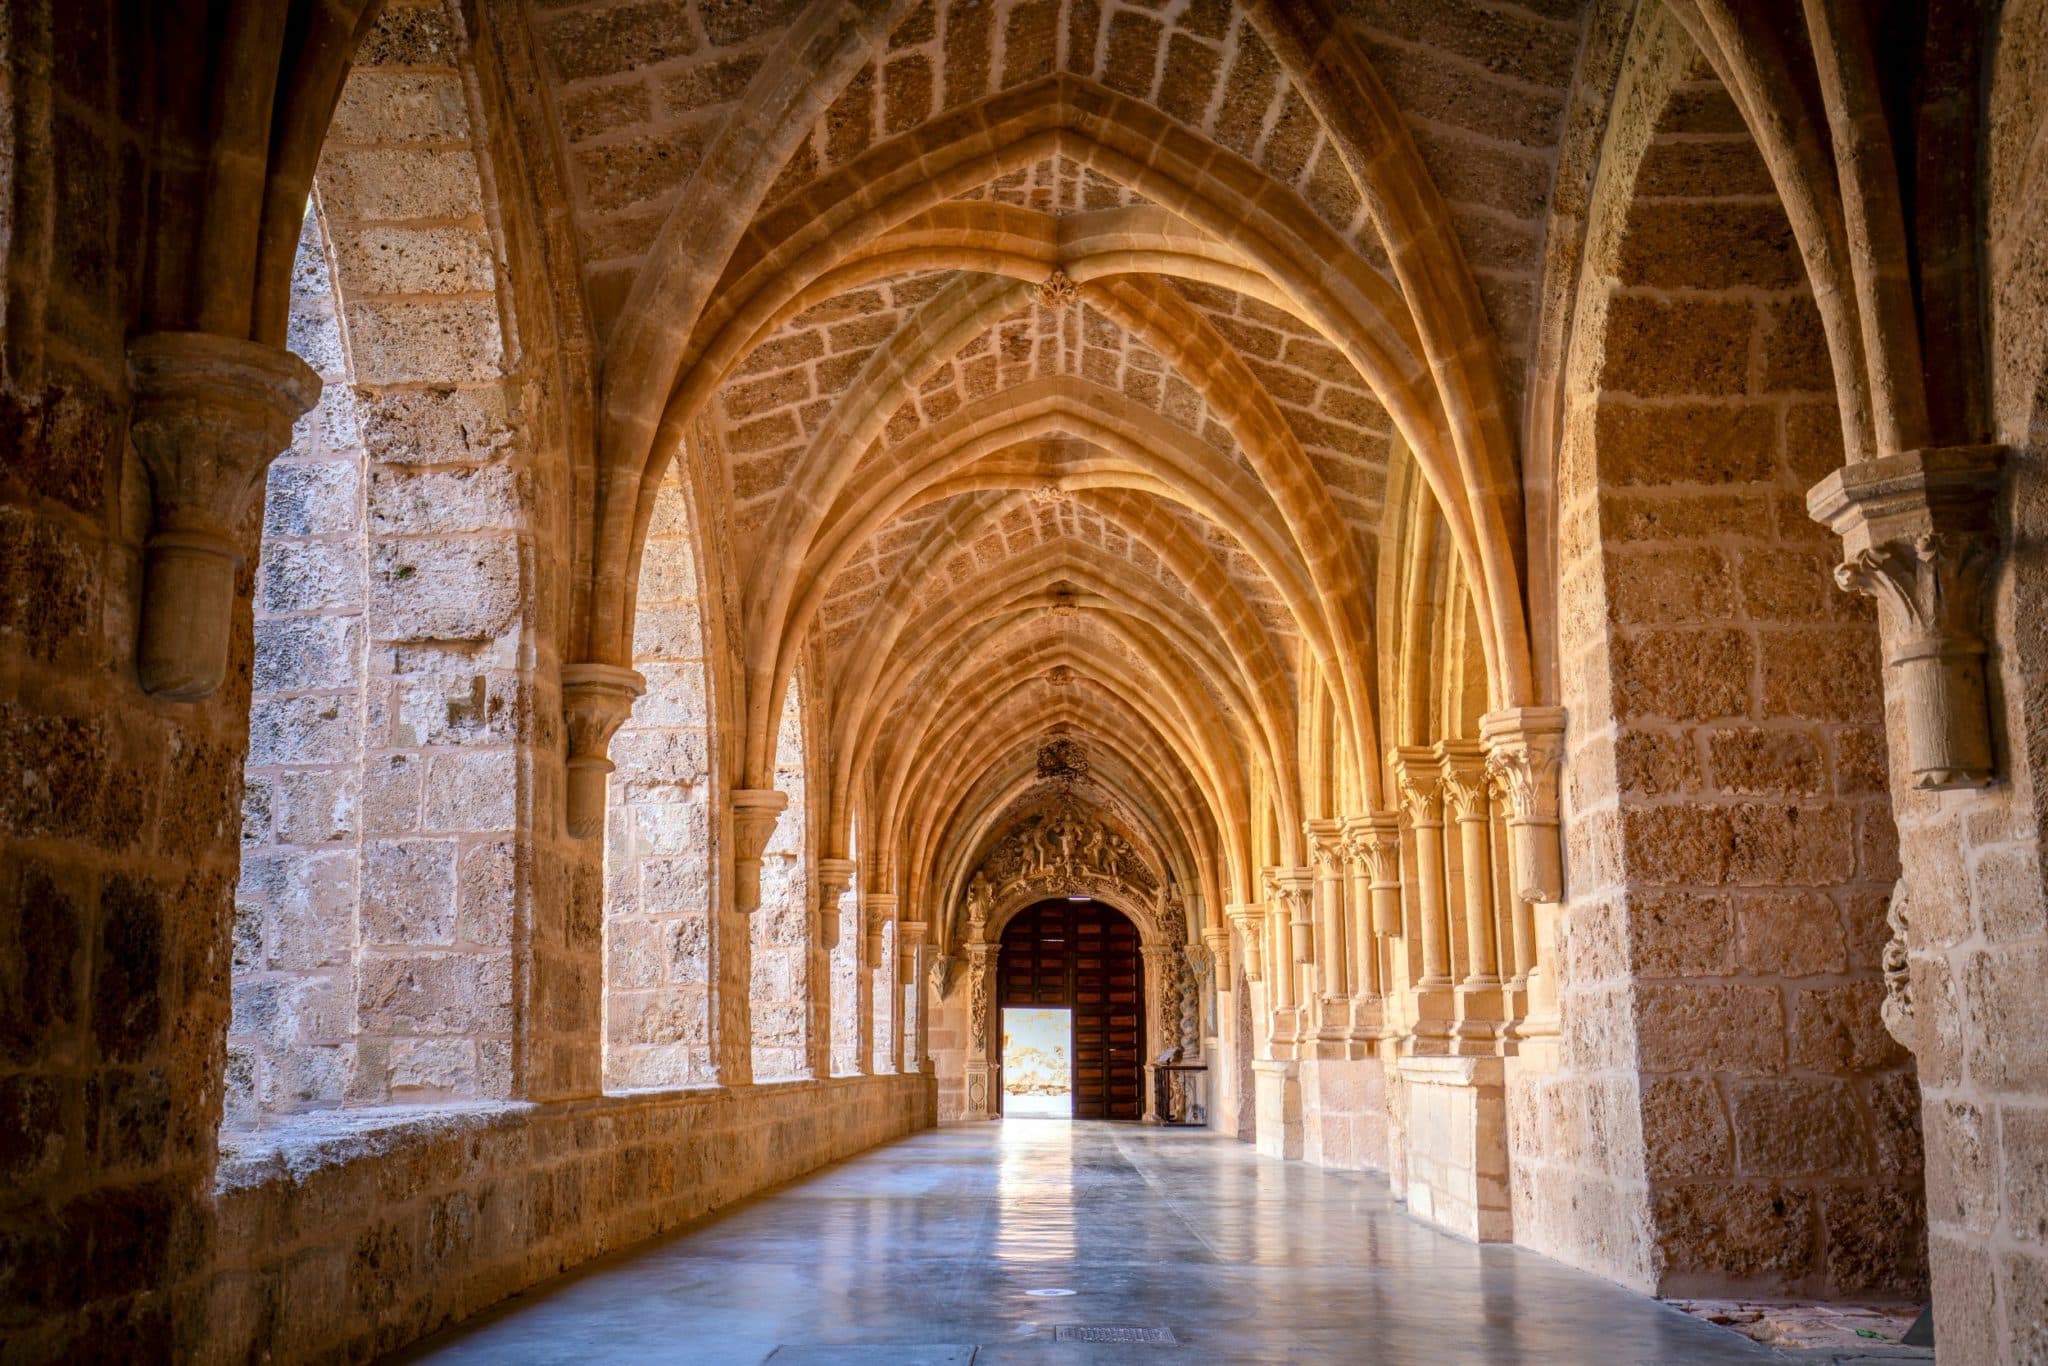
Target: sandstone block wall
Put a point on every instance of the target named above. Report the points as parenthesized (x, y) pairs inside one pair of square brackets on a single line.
[(1732, 846)]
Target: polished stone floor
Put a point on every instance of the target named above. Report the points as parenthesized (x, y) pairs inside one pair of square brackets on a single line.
[(929, 1250)]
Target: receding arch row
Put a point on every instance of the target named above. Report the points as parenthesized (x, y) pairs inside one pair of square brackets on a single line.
[(1338, 299), (1246, 670)]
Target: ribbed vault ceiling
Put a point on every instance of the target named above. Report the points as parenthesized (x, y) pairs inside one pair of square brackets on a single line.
[(1052, 384)]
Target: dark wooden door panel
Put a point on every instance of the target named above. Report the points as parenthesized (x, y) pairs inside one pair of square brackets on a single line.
[(1084, 957)]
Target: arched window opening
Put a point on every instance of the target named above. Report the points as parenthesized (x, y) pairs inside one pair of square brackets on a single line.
[(291, 1040), (779, 994), (658, 922)]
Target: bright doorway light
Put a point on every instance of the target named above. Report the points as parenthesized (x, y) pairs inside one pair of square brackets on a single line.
[(1038, 1069)]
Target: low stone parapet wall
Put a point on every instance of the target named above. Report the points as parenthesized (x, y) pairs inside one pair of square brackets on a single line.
[(351, 1233)]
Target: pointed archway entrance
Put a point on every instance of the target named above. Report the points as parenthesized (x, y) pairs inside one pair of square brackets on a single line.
[(1083, 957)]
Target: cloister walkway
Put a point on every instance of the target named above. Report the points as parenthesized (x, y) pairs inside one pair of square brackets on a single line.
[(929, 1250)]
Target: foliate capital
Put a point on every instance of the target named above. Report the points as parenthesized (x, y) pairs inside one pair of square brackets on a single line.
[(1464, 779), (1418, 778), (1374, 842), (1524, 756), (210, 413), (596, 700), (1918, 534)]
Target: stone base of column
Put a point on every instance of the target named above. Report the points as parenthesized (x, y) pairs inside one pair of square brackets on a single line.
[(981, 1097), (1344, 1113), (1435, 1023), (1456, 1145), (1277, 1109), (1368, 1024), (1481, 1019)]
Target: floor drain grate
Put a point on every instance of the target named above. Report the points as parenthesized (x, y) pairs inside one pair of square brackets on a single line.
[(1090, 1332)]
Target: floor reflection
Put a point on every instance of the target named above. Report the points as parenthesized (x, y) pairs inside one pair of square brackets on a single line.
[(922, 1249)]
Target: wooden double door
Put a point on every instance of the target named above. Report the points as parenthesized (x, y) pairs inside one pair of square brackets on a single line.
[(1083, 956)]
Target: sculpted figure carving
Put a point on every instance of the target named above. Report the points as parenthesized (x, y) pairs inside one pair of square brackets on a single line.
[(1898, 985)]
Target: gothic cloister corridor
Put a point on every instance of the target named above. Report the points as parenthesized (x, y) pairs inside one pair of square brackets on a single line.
[(920, 1249), (1441, 600)]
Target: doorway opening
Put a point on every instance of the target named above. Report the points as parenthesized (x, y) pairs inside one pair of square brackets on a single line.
[(1038, 1066), (1077, 959)]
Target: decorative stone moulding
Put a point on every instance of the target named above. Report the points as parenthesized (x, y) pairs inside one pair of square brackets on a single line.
[(835, 877), (596, 700), (1250, 918), (1058, 290), (881, 909), (909, 938), (1375, 841), (1216, 938), (1917, 533), (754, 813), (1524, 754), (210, 413)]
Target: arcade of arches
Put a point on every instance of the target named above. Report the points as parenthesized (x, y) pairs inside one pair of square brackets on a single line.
[(567, 567)]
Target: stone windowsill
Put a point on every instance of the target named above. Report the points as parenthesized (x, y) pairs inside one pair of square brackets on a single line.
[(295, 1147)]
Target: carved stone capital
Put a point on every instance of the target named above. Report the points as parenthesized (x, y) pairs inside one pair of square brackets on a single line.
[(1463, 765), (1418, 777), (1326, 846), (1918, 535), (1249, 918), (1294, 895), (835, 879), (881, 909), (1216, 939), (1524, 755), (755, 810), (1374, 842), (210, 413), (596, 700)]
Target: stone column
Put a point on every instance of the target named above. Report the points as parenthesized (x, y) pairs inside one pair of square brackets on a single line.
[(877, 910), (1918, 534), (834, 880), (1248, 918), (210, 414), (1326, 844), (1421, 783), (983, 1031), (1373, 846), (596, 700), (1154, 1030), (909, 962), (1216, 939), (1464, 790)]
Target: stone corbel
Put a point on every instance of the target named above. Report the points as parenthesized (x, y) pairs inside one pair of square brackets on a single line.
[(881, 909), (1249, 918), (1375, 841), (909, 938), (210, 413), (1524, 754), (835, 878), (596, 700), (755, 810), (1917, 533)]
